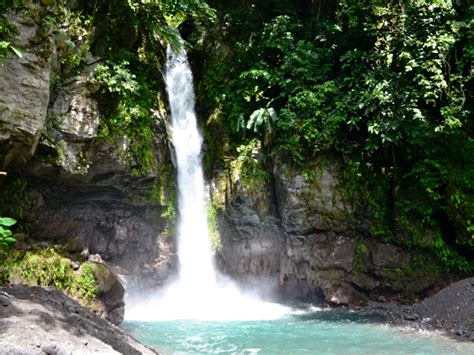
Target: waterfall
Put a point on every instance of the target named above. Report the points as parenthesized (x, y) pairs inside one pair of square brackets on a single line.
[(196, 294), (194, 250)]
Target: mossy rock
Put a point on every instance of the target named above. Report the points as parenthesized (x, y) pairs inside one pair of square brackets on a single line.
[(104, 277), (111, 291)]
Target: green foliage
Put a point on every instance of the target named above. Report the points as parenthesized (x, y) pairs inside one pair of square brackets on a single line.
[(7, 31), (361, 252), (449, 258), (212, 222), (247, 166), (384, 85), (7, 238), (176, 11), (77, 38), (48, 267), (117, 78), (45, 269), (262, 117), (7, 49), (131, 113), (85, 284)]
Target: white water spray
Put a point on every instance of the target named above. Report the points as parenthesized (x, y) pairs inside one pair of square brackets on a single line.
[(196, 294)]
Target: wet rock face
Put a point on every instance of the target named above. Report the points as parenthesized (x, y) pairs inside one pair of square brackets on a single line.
[(76, 112), (104, 211), (125, 236), (73, 120), (251, 240), (321, 261), (303, 234)]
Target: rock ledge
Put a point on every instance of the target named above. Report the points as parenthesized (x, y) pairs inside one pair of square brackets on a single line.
[(35, 320)]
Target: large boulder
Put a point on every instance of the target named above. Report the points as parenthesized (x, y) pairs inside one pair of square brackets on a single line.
[(111, 292)]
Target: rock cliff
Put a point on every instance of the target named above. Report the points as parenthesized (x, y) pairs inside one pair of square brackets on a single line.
[(297, 233), (79, 187)]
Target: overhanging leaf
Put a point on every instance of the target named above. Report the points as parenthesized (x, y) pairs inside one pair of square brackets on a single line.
[(7, 221)]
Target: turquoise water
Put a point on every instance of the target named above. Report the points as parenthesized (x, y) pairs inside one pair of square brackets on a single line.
[(316, 333)]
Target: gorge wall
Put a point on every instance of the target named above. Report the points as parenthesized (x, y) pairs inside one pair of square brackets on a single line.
[(76, 179), (299, 237)]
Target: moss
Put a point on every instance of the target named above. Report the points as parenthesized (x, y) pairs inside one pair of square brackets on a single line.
[(82, 163), (217, 146), (309, 176), (212, 222), (48, 267), (163, 192), (359, 264), (220, 187)]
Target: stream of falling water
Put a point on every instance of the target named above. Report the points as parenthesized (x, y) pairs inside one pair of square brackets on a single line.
[(196, 294)]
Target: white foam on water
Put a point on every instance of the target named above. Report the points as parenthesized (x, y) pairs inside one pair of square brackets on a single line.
[(196, 294)]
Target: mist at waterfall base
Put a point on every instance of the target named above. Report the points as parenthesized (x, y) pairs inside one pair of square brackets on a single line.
[(197, 293)]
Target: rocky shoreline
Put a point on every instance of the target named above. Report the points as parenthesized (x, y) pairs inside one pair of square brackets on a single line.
[(35, 320), (451, 310)]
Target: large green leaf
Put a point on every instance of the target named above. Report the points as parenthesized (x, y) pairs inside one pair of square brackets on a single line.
[(5, 233), (10, 240), (7, 221)]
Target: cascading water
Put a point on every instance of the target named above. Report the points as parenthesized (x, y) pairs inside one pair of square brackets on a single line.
[(196, 294), (194, 249)]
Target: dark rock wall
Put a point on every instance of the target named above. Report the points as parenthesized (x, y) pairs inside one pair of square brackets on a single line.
[(302, 237), (82, 190)]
